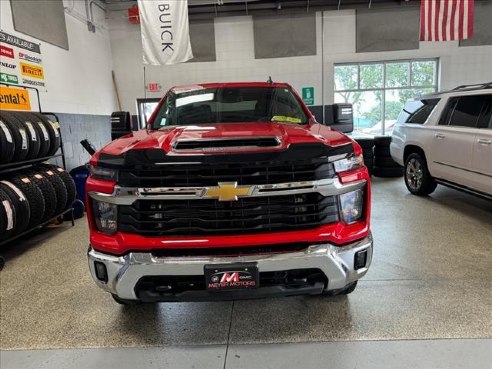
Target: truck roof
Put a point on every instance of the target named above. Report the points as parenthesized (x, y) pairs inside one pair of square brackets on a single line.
[(201, 86)]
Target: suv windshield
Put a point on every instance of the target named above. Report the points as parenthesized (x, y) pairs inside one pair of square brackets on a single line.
[(230, 105)]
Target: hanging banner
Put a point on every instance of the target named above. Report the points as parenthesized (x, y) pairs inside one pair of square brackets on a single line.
[(20, 62), (165, 31)]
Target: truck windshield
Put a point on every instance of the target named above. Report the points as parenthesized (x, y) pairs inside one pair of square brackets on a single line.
[(230, 105)]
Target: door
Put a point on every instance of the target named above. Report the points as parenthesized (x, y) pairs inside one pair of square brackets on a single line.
[(482, 150), (454, 140)]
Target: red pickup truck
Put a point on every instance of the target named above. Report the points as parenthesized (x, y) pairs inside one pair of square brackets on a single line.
[(233, 191)]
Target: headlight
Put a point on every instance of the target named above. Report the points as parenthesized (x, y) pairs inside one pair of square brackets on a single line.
[(106, 216), (352, 206), (350, 163), (104, 173)]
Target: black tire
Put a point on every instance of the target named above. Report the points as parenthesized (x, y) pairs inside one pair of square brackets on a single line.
[(34, 197), (7, 216), (21, 206), (48, 191), (58, 185), (19, 138), (32, 133), (343, 291), (365, 143), (382, 141), (54, 132), (385, 162), (388, 172), (417, 177), (67, 180), (368, 153), (7, 145), (44, 135), (382, 151), (125, 302)]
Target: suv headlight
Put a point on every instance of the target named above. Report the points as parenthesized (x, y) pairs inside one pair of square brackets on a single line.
[(352, 206), (105, 174), (349, 163), (105, 216)]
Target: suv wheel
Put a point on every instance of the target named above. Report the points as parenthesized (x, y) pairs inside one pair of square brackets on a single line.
[(417, 177)]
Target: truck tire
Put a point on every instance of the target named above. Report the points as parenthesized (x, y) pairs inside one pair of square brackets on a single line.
[(54, 132), (19, 136), (382, 141), (385, 162), (20, 204), (382, 151), (7, 216), (7, 145), (365, 143), (388, 172), (32, 133), (34, 197), (48, 191), (417, 177), (58, 185), (67, 180)]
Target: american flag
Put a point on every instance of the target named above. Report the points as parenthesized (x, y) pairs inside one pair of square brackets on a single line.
[(446, 20)]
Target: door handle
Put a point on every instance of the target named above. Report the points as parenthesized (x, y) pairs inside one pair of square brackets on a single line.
[(483, 141), (439, 136)]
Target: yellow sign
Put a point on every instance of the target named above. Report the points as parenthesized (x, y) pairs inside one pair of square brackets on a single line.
[(228, 191), (30, 70), (14, 99)]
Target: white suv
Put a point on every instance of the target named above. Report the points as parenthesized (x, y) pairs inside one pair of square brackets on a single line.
[(446, 138)]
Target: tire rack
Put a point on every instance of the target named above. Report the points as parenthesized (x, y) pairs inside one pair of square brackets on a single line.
[(12, 167)]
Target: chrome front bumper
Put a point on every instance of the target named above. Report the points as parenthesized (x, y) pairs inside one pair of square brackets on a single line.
[(336, 262)]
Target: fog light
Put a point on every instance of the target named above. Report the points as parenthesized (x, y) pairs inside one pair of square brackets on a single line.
[(101, 271), (360, 259)]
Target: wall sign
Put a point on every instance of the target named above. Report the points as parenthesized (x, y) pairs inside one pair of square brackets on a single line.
[(21, 62), (153, 87), (308, 95), (14, 99)]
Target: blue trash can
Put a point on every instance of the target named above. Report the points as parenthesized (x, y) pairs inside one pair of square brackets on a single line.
[(80, 175)]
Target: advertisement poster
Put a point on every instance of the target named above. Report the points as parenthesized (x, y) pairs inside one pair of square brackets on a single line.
[(20, 62)]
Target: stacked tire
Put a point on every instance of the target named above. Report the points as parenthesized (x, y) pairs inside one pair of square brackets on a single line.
[(27, 136), (31, 197), (367, 145), (384, 165)]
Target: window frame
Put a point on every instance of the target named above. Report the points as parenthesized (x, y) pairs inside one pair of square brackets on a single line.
[(385, 88)]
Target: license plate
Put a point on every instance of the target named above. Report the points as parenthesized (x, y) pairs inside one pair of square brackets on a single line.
[(226, 277)]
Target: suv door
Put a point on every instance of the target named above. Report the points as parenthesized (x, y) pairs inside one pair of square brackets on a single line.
[(454, 139), (482, 150)]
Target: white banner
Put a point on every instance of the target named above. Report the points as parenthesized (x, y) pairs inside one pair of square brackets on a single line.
[(165, 31)]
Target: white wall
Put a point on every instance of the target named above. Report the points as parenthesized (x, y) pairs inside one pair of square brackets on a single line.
[(78, 80), (236, 62)]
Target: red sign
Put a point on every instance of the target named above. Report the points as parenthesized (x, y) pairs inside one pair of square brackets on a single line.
[(153, 87), (7, 51)]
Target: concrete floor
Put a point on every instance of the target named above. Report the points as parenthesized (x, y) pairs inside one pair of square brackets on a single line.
[(430, 280)]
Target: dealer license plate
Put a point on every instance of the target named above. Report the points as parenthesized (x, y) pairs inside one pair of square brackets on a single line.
[(226, 277)]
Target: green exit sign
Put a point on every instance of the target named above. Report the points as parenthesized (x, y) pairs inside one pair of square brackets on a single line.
[(308, 95)]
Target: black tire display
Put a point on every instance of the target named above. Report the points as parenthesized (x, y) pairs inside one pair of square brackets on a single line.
[(48, 191), (19, 137), (58, 185), (7, 146), (67, 180), (365, 143), (34, 197), (32, 137), (7, 216), (388, 172), (20, 204), (382, 141), (44, 136), (385, 162), (383, 151), (417, 177), (54, 132)]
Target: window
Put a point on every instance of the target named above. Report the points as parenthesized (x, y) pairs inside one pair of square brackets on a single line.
[(417, 111), (379, 90), (230, 105), (485, 120), (468, 111)]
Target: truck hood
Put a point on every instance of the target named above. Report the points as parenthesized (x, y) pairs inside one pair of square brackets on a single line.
[(285, 134)]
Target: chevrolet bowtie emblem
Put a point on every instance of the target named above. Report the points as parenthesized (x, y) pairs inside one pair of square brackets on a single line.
[(228, 191)]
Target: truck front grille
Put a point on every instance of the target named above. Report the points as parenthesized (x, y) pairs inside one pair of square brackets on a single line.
[(203, 174), (212, 217)]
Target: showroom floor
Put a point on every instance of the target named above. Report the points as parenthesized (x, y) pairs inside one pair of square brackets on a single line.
[(425, 303)]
